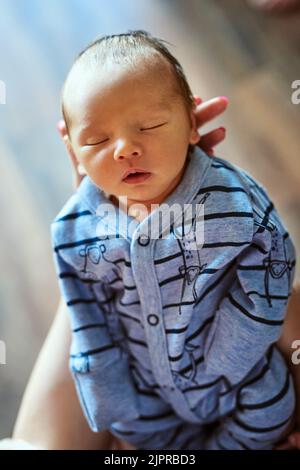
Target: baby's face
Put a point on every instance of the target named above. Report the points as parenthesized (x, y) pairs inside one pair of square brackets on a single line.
[(123, 120)]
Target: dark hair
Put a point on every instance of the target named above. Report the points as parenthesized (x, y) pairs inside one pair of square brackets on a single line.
[(126, 48)]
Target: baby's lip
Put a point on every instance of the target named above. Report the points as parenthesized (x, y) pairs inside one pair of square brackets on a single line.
[(133, 170)]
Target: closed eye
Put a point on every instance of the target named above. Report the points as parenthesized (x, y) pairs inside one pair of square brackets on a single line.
[(97, 143), (153, 127), (143, 129)]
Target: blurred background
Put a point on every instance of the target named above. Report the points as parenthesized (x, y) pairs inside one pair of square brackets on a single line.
[(226, 48)]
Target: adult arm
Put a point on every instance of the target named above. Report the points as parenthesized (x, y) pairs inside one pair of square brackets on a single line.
[(50, 415)]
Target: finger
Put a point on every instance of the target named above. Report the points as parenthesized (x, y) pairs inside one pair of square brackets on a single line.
[(285, 446), (198, 100), (292, 442), (294, 439), (211, 139), (275, 6), (210, 109)]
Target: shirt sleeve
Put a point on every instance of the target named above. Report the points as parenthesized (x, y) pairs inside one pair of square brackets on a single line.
[(98, 363), (250, 317)]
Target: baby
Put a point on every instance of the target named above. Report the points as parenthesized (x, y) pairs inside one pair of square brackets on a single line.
[(173, 326)]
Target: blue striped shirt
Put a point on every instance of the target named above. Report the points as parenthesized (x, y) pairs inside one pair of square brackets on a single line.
[(161, 331)]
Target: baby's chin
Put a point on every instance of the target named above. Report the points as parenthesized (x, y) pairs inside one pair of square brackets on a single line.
[(130, 199), (141, 194)]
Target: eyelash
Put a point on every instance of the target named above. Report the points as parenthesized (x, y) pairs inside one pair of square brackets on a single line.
[(145, 129), (153, 127)]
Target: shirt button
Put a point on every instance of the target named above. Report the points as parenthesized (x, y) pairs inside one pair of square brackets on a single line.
[(144, 240), (153, 319)]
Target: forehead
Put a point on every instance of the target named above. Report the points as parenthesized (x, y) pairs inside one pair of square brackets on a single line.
[(149, 83)]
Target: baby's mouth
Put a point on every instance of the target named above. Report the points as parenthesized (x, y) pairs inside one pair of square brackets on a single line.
[(134, 176)]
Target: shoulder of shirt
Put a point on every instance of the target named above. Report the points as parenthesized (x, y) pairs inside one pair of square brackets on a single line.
[(68, 224), (262, 207)]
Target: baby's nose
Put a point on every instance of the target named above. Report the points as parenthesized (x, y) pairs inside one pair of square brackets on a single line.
[(126, 151)]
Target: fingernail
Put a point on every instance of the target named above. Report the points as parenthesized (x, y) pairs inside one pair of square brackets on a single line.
[(198, 99), (222, 129), (224, 98)]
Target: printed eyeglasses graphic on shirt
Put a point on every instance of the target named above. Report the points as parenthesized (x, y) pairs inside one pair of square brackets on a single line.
[(186, 223)]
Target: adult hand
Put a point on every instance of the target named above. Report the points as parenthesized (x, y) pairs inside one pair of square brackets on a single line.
[(207, 111), (292, 442), (204, 112), (290, 333)]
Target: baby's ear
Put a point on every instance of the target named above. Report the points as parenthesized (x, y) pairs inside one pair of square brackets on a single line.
[(194, 135)]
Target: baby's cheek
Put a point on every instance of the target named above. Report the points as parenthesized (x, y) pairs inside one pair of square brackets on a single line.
[(81, 170)]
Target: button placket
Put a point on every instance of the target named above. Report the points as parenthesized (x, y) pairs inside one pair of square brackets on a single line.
[(145, 276), (142, 266)]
